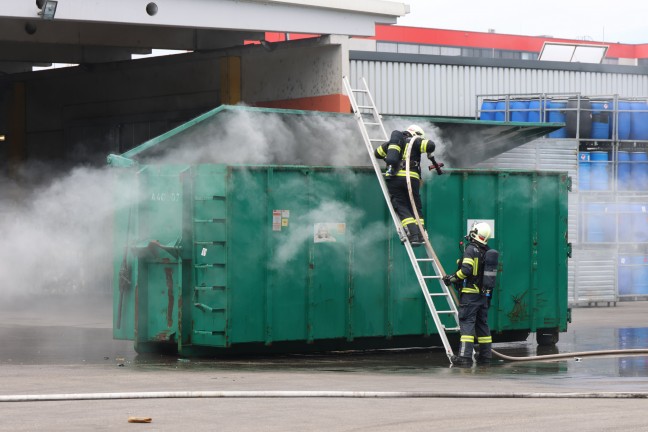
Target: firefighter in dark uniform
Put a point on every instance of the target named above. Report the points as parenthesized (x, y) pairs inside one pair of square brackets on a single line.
[(474, 299), (393, 152)]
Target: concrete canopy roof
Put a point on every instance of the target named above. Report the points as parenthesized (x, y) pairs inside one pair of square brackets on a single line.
[(110, 30)]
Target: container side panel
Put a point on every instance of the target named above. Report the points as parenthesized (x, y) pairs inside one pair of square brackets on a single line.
[(443, 201), (248, 242), (332, 223), (162, 278), (445, 221), (160, 227), (551, 235), (408, 316), (210, 287), (290, 258), (513, 239), (370, 260), (161, 207)]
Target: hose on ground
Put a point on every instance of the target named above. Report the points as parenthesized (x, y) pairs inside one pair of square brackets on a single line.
[(619, 352), (320, 394)]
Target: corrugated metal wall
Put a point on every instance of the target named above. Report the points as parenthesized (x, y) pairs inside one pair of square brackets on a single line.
[(451, 90), (594, 276)]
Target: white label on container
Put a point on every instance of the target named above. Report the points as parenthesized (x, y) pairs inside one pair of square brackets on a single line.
[(329, 232), (203, 252), (276, 220), (490, 222)]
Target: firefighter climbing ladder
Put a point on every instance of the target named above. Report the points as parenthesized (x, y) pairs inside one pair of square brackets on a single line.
[(439, 301)]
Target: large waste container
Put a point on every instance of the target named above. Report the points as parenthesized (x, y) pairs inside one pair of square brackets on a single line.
[(241, 258)]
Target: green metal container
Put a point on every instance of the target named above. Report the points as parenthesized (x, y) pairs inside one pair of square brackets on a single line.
[(239, 258)]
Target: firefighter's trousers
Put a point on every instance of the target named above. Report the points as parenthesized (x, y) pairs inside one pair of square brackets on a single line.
[(473, 325), (397, 188)]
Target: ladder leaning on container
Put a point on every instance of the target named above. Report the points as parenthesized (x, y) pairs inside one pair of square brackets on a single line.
[(439, 301)]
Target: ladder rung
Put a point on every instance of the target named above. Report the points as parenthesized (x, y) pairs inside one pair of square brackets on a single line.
[(438, 294), (431, 277), (359, 91), (372, 124), (425, 259), (451, 328), (446, 312), (365, 107), (377, 139)]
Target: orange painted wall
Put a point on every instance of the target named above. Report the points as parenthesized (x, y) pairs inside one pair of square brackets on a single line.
[(328, 103)]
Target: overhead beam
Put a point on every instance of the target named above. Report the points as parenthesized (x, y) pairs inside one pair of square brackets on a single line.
[(124, 35), (315, 16), (380, 7)]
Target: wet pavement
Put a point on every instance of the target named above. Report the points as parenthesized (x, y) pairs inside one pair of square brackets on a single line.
[(79, 332), (62, 347)]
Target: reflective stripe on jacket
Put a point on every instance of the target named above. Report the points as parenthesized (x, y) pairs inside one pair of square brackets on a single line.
[(469, 272)]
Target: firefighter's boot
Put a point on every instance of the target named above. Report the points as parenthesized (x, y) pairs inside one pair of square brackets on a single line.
[(414, 235), (461, 361), (484, 354)]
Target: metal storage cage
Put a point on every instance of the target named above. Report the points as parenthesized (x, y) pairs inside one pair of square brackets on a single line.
[(608, 141)]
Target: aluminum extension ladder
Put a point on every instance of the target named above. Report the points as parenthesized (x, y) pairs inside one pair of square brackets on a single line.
[(441, 301)]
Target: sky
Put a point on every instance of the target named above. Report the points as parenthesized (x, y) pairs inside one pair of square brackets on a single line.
[(623, 21)]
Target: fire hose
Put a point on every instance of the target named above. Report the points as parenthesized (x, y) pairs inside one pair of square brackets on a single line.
[(615, 352), (320, 394)]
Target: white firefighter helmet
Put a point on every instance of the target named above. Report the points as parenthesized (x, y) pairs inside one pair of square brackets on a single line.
[(480, 232), (415, 130)]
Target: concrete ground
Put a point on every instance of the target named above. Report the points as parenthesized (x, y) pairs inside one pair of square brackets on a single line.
[(67, 348)]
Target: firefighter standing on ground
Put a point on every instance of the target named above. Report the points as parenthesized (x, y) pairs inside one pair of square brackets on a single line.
[(394, 152), (474, 299)]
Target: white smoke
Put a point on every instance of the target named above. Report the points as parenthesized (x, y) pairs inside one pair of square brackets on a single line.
[(58, 237), (252, 137)]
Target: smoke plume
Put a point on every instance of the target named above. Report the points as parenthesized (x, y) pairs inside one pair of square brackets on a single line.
[(58, 231)]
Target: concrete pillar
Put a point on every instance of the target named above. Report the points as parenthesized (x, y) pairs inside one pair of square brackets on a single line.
[(230, 80), (304, 75)]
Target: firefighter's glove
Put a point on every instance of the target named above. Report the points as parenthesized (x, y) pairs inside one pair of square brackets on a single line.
[(450, 279), (489, 296)]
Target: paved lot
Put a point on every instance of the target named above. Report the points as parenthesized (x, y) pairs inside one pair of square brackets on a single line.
[(67, 348)]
